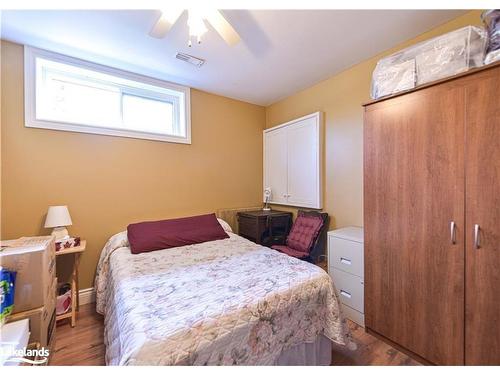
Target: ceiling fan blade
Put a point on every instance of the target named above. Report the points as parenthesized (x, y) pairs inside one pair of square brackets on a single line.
[(165, 22), (223, 27)]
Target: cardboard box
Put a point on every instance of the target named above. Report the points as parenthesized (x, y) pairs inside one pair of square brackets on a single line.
[(42, 321), (33, 258)]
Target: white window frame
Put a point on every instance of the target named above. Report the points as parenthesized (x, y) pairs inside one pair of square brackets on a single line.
[(30, 55)]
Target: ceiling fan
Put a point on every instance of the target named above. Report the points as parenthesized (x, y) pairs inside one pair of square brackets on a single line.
[(196, 24)]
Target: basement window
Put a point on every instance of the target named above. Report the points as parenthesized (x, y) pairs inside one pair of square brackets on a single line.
[(64, 93)]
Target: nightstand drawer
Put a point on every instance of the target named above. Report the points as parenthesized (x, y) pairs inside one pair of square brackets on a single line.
[(350, 289), (346, 255)]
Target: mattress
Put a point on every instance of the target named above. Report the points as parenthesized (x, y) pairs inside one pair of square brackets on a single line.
[(224, 302)]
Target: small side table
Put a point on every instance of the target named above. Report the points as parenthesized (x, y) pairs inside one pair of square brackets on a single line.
[(265, 228), (75, 303)]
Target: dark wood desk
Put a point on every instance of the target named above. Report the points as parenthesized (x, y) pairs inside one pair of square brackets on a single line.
[(265, 227)]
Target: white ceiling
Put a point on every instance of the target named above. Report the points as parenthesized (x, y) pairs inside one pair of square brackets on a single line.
[(281, 52)]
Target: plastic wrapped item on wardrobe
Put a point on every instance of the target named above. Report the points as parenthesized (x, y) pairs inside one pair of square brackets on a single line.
[(491, 19), (431, 60)]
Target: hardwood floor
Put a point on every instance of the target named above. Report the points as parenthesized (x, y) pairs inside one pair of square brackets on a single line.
[(83, 345), (371, 352)]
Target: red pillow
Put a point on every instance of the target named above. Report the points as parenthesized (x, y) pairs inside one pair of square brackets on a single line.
[(304, 231), (165, 234)]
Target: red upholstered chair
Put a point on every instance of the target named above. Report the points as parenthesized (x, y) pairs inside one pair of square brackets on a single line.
[(306, 238)]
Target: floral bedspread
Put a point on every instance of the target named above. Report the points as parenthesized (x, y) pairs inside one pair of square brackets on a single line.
[(221, 302)]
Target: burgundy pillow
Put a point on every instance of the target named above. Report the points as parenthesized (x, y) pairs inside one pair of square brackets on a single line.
[(165, 234), (304, 230)]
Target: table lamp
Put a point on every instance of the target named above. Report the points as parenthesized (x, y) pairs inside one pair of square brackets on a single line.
[(58, 218), (267, 196)]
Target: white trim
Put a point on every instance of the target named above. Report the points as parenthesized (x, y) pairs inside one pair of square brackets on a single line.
[(311, 115), (86, 296), (30, 53)]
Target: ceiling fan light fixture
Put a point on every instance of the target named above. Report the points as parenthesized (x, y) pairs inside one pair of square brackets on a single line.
[(196, 25)]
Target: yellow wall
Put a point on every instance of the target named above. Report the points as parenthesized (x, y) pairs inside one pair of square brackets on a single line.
[(108, 182), (340, 98)]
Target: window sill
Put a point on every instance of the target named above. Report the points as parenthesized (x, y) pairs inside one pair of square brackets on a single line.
[(41, 124)]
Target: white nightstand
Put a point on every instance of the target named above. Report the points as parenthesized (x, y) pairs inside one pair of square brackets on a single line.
[(346, 267)]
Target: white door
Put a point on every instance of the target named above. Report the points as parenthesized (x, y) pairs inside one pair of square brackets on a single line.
[(303, 163), (275, 164)]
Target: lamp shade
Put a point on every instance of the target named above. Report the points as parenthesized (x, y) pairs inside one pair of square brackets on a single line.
[(57, 216)]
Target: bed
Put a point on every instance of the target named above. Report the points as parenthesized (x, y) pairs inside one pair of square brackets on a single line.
[(223, 302)]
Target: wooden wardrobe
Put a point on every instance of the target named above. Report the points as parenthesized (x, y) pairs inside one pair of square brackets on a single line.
[(432, 219)]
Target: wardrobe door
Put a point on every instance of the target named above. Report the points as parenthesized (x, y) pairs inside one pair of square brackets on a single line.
[(414, 222), (275, 164), (304, 172), (483, 220)]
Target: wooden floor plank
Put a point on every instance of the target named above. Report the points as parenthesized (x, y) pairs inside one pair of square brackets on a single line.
[(84, 346)]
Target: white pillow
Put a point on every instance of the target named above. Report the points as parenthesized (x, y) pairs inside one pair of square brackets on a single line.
[(225, 225)]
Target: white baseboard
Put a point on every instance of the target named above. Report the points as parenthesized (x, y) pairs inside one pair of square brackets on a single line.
[(86, 296)]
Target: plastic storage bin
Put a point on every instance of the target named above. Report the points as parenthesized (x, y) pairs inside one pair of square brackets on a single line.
[(434, 59), (491, 19)]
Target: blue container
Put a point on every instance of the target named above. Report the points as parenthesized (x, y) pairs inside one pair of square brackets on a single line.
[(7, 288)]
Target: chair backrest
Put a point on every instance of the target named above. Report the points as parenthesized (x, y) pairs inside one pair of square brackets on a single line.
[(304, 231), (318, 247)]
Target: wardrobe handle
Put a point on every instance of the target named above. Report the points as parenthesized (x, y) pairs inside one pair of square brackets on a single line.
[(453, 231), (477, 245)]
